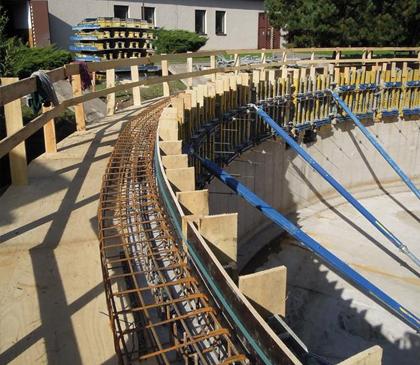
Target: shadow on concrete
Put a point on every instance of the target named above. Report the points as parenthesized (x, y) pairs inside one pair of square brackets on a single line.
[(353, 225), (327, 323), (55, 312), (22, 344), (330, 325), (377, 181), (27, 194)]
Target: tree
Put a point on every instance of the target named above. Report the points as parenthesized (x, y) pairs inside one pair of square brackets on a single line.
[(323, 23), (17, 59)]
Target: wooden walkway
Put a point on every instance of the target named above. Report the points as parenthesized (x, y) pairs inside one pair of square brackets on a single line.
[(52, 305)]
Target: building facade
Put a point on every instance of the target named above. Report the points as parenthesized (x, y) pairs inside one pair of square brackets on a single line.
[(228, 24)]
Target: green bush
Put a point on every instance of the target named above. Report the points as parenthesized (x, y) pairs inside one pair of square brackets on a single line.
[(18, 60), (24, 60), (178, 41)]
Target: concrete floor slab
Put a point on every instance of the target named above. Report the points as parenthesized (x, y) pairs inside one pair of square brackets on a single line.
[(52, 304)]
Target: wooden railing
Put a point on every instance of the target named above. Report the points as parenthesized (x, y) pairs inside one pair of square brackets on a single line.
[(12, 89)]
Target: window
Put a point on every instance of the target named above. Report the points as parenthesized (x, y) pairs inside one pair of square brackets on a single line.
[(149, 14), (200, 21), (121, 11), (220, 22)]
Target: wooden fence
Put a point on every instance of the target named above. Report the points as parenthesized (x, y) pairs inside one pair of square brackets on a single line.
[(12, 89)]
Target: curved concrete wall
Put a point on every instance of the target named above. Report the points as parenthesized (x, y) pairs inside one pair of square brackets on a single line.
[(285, 181)]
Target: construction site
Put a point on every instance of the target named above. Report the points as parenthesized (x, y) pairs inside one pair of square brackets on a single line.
[(268, 214)]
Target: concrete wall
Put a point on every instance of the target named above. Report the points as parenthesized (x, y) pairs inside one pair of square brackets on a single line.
[(285, 181), (241, 18)]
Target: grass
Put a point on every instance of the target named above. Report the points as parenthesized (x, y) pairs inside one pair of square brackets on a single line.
[(146, 92)]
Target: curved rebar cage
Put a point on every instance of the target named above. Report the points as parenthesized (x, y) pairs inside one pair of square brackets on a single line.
[(157, 307)]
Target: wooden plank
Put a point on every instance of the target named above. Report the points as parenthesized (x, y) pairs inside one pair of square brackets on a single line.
[(236, 62), (164, 65), (14, 123), (189, 69), (371, 356), (78, 108), (50, 140), (11, 141), (136, 90), (93, 81), (26, 86), (213, 66), (19, 89), (110, 100), (258, 287), (404, 78), (263, 56), (252, 322), (221, 233)]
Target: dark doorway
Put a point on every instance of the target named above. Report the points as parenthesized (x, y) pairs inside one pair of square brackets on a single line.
[(17, 12), (268, 37)]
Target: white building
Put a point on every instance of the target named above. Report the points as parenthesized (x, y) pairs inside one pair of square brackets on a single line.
[(228, 24)]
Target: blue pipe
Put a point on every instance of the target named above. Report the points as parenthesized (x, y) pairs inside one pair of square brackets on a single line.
[(333, 261), (334, 183), (376, 144)]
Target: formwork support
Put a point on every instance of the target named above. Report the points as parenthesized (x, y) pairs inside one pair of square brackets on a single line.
[(266, 289), (371, 356), (182, 179), (195, 202), (221, 232), (175, 161), (170, 147)]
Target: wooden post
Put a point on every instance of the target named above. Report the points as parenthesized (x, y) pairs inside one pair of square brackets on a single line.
[(263, 57), (79, 109), (110, 99), (337, 55), (94, 81), (14, 122), (312, 69), (213, 65), (284, 67), (236, 62), (189, 69), (49, 134), (136, 90), (165, 72)]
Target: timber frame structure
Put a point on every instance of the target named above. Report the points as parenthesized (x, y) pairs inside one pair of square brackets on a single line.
[(170, 278)]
